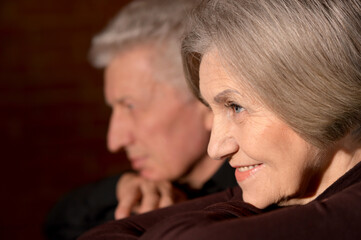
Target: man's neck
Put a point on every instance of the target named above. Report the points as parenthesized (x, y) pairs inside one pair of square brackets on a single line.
[(201, 172)]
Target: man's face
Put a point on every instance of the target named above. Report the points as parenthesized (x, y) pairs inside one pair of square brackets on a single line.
[(161, 130)]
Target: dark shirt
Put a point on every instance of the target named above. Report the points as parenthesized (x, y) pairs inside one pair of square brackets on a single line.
[(335, 214), (94, 204)]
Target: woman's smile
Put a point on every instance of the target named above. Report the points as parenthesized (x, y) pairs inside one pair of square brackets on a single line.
[(243, 172)]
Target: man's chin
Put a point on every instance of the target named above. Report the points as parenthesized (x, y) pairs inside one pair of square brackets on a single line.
[(150, 175), (146, 174)]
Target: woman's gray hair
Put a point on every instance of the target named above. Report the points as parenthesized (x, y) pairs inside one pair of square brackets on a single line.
[(301, 58), (157, 23)]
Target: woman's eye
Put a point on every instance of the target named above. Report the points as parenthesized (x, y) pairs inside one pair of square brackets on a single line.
[(236, 108)]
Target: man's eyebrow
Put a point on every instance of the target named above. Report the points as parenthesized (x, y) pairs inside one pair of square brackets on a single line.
[(222, 96), (120, 100)]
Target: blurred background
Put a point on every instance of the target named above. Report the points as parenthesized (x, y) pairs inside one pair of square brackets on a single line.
[(53, 119)]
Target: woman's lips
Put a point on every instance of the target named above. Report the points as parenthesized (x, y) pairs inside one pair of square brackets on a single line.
[(243, 172)]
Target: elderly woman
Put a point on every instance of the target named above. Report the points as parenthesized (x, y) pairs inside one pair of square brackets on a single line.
[(283, 80)]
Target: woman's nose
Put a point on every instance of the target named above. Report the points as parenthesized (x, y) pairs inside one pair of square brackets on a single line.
[(119, 131), (222, 143)]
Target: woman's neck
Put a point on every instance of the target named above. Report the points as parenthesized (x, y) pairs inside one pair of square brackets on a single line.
[(342, 157)]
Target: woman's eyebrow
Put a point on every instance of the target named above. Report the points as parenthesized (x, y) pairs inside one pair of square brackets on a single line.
[(222, 96)]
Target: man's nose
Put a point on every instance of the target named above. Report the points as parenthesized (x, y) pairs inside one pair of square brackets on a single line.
[(119, 131), (222, 143)]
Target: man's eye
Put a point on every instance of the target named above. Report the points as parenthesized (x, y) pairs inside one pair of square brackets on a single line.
[(129, 106)]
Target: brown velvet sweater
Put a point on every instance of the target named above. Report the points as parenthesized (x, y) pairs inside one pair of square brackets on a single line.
[(335, 214)]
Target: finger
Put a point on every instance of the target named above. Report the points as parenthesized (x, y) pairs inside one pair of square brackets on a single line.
[(166, 194), (126, 204), (150, 197), (128, 196), (121, 212)]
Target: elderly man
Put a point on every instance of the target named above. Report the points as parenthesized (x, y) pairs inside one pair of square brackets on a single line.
[(155, 119)]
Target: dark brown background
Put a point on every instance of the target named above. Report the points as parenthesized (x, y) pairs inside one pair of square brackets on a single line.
[(53, 118)]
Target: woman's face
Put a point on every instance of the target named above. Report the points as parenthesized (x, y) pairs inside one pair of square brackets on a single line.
[(272, 163)]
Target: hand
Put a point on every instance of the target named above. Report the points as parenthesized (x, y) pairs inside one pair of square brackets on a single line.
[(138, 195)]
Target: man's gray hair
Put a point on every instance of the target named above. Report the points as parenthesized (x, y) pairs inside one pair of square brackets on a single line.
[(157, 23)]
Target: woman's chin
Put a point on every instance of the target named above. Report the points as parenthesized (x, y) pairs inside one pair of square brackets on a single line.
[(258, 202)]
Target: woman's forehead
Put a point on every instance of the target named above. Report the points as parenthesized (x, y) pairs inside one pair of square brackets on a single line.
[(215, 74)]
